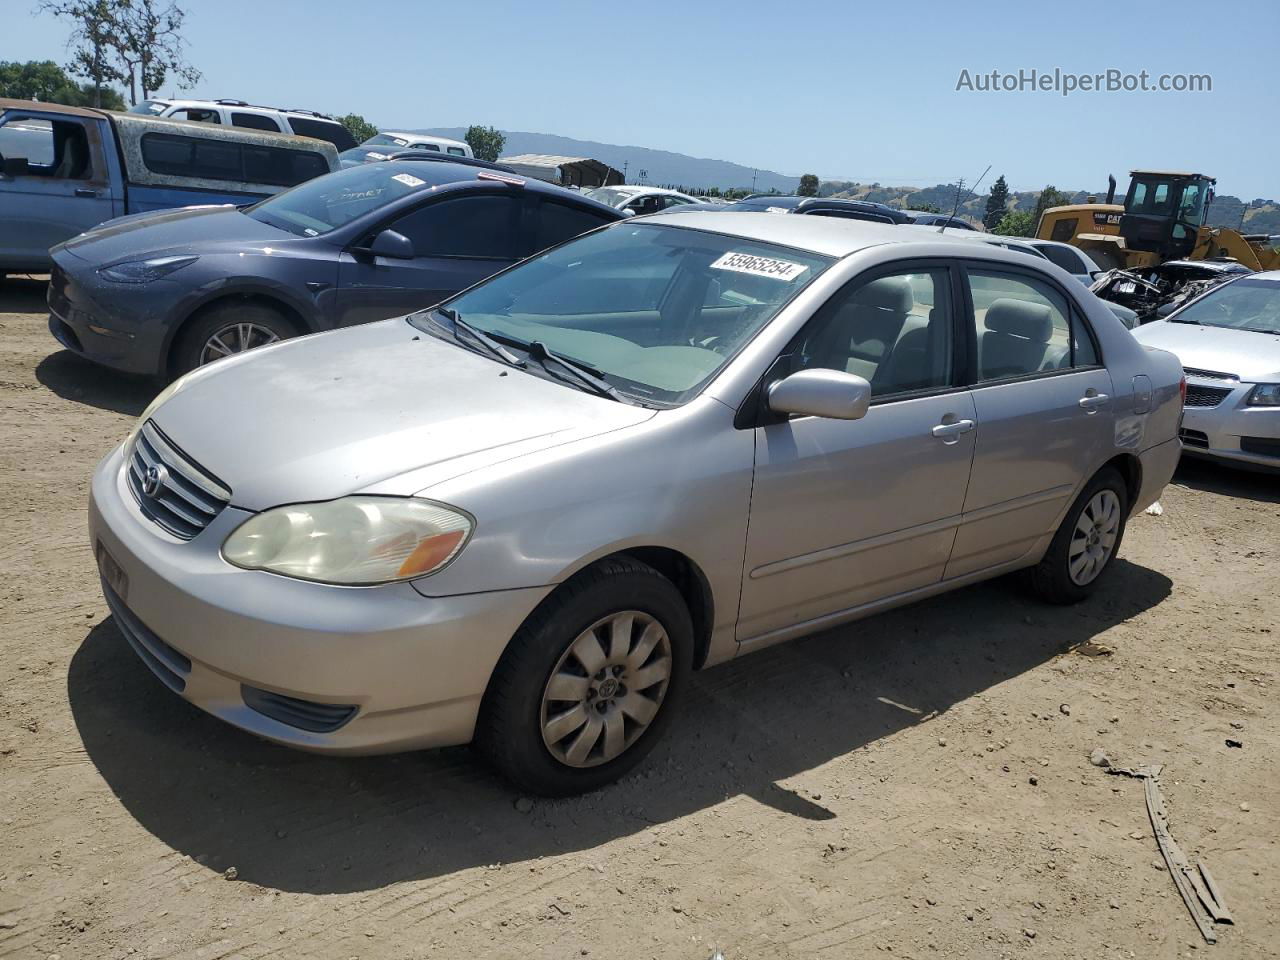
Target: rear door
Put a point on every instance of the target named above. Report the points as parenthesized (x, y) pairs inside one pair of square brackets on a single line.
[(65, 190), (457, 242), (1044, 409)]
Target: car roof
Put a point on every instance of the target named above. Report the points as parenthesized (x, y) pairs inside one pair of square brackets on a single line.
[(440, 172), (833, 236)]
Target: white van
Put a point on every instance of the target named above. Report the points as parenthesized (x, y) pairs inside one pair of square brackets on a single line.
[(237, 113), (419, 141)]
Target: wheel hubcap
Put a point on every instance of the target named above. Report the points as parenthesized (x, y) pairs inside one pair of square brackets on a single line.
[(236, 338), (1094, 537), (606, 689)]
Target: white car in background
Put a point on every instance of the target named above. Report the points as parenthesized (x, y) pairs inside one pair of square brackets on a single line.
[(237, 113), (1228, 340), (418, 141), (640, 200)]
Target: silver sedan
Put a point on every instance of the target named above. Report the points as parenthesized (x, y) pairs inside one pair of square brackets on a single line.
[(524, 516), (1228, 340)]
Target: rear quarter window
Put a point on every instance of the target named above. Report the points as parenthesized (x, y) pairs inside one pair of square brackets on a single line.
[(254, 121), (317, 129)]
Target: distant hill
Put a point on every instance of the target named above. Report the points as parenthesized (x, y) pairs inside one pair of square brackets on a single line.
[(662, 167), (1263, 216)]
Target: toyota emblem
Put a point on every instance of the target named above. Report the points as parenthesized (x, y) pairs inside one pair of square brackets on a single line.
[(154, 479)]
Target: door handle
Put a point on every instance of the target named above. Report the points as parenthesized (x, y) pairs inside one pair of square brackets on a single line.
[(1091, 401), (86, 192), (949, 432)]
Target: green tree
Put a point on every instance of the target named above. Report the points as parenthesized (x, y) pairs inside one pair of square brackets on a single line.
[(94, 36), (358, 127), (45, 81), (485, 142), (1049, 197), (997, 202), (1018, 223), (808, 186), (148, 43), (926, 208)]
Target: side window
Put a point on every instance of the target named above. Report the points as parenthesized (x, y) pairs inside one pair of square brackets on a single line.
[(427, 146), (1024, 326), (285, 168), (254, 121), (457, 151), (58, 149), (558, 222), (482, 228), (893, 331), (1066, 259), (197, 115), (317, 129), (214, 160)]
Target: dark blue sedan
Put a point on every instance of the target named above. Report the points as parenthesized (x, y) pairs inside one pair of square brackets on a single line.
[(167, 292)]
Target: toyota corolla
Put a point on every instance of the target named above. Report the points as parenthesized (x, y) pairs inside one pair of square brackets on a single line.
[(525, 516)]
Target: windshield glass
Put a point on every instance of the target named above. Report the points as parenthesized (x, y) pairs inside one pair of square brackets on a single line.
[(385, 139), (151, 108), (610, 195), (326, 203), (1241, 305), (656, 310)]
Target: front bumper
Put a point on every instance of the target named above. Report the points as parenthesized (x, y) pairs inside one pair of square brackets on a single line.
[(122, 326), (322, 668), (1232, 430)]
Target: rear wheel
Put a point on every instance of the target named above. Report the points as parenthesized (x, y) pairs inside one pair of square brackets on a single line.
[(228, 329), (587, 685), (1086, 543)]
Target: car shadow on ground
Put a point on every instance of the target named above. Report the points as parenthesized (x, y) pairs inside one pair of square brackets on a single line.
[(23, 293), (298, 822), (1228, 481), (76, 379)]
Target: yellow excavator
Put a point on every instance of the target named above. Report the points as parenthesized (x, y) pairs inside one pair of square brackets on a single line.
[(1162, 219)]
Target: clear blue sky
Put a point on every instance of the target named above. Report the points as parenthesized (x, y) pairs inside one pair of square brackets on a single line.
[(846, 90)]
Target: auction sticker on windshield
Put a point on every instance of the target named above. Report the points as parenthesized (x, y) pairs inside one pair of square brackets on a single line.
[(759, 266), (408, 179)]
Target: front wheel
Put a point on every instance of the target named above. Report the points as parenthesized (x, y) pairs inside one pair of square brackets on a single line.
[(1086, 543), (588, 683), (228, 329)]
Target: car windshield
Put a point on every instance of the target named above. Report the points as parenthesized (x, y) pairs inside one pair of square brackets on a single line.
[(656, 311), (610, 195), (150, 108), (1240, 305), (385, 139), (326, 203)]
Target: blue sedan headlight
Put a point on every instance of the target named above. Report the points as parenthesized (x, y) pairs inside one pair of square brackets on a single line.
[(1264, 395), (144, 271)]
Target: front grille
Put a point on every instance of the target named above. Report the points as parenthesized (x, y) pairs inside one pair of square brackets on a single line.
[(165, 662), (1210, 374), (1202, 397), (303, 714), (185, 498), (1262, 446), (1194, 438)]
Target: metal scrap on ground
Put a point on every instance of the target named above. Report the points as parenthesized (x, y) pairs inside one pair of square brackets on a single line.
[(1196, 885)]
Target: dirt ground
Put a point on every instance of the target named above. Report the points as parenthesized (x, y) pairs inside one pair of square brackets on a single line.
[(915, 785)]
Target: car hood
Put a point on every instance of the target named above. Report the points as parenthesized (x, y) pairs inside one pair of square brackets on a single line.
[(168, 233), (372, 409), (1253, 357)]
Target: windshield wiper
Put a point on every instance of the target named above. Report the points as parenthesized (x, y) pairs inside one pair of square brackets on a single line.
[(584, 374), (479, 336), (1185, 320)]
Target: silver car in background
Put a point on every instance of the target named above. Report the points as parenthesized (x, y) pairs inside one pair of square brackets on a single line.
[(523, 517), (1228, 339)]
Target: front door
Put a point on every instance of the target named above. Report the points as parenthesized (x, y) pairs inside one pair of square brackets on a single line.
[(1044, 406), (456, 243), (847, 512), (64, 190)]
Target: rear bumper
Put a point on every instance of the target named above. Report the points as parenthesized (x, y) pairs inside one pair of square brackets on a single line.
[(1158, 464)]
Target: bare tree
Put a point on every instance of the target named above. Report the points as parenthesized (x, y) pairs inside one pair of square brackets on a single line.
[(149, 46), (93, 37)]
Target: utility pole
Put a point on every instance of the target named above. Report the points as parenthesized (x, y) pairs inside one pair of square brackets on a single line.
[(625, 164), (754, 173)]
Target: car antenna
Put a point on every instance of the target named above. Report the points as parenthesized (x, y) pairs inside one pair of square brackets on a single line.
[(959, 190)]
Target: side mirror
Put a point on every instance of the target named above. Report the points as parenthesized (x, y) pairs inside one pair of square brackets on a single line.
[(13, 166), (821, 393), (391, 244)]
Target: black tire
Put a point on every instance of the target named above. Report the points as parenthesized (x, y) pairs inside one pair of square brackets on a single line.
[(1051, 578), (510, 728), (189, 350)]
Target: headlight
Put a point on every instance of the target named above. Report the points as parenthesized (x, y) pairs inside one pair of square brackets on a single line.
[(354, 541), (144, 271), (1264, 395)]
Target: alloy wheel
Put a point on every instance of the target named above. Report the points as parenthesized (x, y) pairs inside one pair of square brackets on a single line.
[(236, 338), (1094, 537), (606, 689)]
